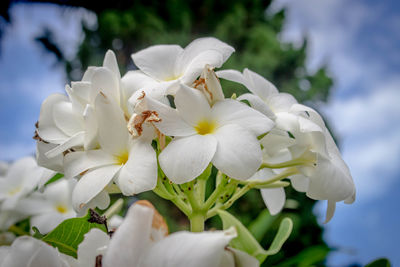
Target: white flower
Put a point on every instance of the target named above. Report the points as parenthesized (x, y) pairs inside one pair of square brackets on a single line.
[(67, 122), (141, 241), (27, 251), (224, 134), (21, 178), (166, 66), (130, 163), (50, 208)]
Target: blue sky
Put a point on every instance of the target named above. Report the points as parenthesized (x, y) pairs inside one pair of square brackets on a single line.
[(358, 40)]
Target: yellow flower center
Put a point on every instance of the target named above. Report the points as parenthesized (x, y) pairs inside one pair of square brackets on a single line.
[(61, 208), (204, 127), (171, 78), (122, 158)]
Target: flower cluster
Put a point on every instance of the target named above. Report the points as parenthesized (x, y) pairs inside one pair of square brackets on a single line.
[(102, 131), (164, 127)]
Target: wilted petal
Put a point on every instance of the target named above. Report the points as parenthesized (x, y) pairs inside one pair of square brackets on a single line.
[(158, 61), (171, 123), (230, 111), (186, 158), (91, 184), (139, 173), (238, 152)]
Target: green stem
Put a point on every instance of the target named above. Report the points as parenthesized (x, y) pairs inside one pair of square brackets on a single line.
[(197, 222), (216, 194)]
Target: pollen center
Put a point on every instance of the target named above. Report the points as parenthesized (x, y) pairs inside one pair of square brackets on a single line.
[(61, 208), (204, 127), (122, 158)]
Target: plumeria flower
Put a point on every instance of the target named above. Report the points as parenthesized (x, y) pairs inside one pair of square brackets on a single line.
[(166, 66), (224, 134), (31, 252), (142, 241), (50, 208), (68, 122), (20, 180), (129, 162)]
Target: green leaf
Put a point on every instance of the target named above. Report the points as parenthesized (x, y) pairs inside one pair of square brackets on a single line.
[(261, 224), (56, 177), (382, 262), (244, 241), (70, 233), (285, 228)]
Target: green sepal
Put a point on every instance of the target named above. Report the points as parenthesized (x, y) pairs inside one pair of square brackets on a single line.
[(56, 177), (246, 242), (70, 233)]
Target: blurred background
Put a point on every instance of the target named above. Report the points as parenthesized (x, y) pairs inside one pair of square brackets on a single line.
[(340, 57)]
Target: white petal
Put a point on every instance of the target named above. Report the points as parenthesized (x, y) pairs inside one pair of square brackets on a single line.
[(131, 240), (186, 158), (66, 119), (80, 161), (281, 102), (91, 128), (91, 184), (75, 140), (55, 163), (242, 259), (300, 182), (238, 152), (113, 134), (158, 61), (330, 210), (275, 141), (192, 105), (258, 104), (182, 249), (171, 123), (190, 56), (93, 243), (230, 111), (197, 64), (139, 174), (47, 128), (105, 81), (110, 62), (258, 85), (274, 199), (29, 251), (232, 75)]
